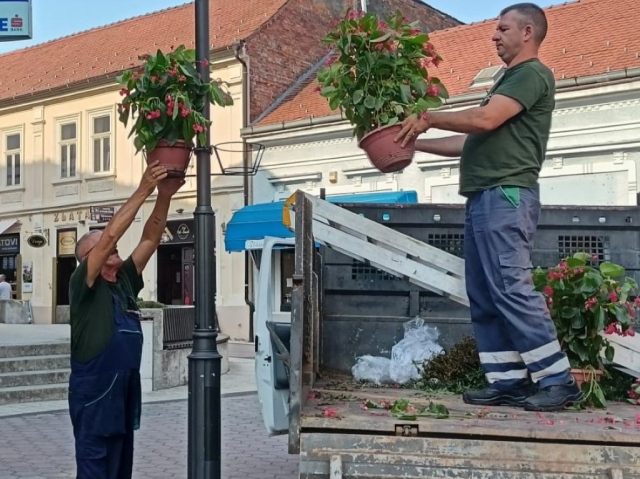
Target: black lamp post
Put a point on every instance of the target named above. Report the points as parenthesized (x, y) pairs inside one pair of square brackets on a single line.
[(204, 448)]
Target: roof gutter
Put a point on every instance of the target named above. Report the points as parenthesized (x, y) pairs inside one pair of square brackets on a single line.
[(90, 83), (569, 84), (242, 57)]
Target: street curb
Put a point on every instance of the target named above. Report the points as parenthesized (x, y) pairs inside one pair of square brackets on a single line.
[(164, 401)]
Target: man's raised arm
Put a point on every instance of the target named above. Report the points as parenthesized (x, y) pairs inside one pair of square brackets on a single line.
[(121, 221), (153, 228)]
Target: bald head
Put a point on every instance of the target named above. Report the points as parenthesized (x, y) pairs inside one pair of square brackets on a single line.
[(532, 15), (86, 242)]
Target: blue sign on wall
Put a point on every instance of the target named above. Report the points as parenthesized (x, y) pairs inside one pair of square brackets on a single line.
[(15, 20)]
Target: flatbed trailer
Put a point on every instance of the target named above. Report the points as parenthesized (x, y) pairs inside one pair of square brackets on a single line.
[(346, 304), (341, 438)]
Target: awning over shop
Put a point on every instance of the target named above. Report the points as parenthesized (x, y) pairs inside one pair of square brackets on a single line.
[(6, 224), (249, 225)]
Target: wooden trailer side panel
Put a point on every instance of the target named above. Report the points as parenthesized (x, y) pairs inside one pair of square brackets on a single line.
[(350, 456)]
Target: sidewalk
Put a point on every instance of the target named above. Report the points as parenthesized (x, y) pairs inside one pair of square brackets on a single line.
[(240, 379), (29, 334)]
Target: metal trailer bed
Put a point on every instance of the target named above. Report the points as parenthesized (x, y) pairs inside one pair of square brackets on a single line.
[(327, 335)]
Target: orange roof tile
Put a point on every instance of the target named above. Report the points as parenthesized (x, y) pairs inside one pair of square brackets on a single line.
[(586, 37), (114, 47)]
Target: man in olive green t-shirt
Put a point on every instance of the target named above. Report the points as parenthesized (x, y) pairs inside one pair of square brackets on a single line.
[(501, 149), (106, 335)]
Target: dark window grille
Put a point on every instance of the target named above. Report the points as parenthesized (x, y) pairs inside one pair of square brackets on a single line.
[(363, 272), (598, 247), (452, 243)]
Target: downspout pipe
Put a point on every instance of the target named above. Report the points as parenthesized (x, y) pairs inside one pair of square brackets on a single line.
[(241, 54)]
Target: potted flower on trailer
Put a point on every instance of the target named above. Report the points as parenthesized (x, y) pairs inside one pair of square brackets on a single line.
[(165, 97), (587, 304), (378, 75)]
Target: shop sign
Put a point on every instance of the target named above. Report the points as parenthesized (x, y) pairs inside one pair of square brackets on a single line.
[(102, 214), (37, 240), (67, 243), (69, 216), (15, 20), (178, 232), (10, 244), (27, 277)]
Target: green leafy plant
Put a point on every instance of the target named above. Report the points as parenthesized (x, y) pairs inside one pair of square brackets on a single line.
[(377, 73), (585, 302), (164, 96), (142, 304), (405, 411)]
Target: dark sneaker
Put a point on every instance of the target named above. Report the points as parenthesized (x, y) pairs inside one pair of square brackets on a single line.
[(554, 398), (495, 397)]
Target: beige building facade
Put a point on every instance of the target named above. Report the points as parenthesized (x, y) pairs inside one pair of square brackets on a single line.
[(68, 155)]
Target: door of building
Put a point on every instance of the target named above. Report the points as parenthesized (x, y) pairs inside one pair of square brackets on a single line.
[(65, 264)]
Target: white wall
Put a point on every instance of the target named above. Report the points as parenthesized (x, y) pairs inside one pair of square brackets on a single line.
[(592, 157)]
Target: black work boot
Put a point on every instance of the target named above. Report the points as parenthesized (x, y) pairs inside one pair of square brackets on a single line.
[(554, 398), (495, 397)]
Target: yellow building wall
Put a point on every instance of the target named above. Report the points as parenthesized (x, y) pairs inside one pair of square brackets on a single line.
[(46, 202)]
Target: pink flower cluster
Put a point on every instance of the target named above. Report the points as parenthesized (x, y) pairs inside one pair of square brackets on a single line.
[(590, 303), (634, 396), (154, 114), (171, 104), (616, 328)]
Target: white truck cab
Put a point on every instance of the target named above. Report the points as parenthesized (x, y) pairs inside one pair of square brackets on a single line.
[(272, 336)]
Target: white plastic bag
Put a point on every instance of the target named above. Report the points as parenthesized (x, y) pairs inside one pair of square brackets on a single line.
[(420, 343), (373, 369)]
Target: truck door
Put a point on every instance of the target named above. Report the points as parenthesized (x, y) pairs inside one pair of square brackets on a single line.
[(272, 343)]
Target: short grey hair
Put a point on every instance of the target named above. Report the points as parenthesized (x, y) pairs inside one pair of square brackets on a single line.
[(533, 15), (81, 242), (2, 277)]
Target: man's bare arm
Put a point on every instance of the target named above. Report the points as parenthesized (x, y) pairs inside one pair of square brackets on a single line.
[(151, 234), (450, 146), (481, 119), (121, 221), (155, 225)]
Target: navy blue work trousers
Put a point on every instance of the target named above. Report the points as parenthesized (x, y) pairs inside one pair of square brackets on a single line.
[(516, 337)]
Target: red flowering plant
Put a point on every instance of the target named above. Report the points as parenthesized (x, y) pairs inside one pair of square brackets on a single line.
[(378, 71), (587, 304), (584, 302), (165, 93)]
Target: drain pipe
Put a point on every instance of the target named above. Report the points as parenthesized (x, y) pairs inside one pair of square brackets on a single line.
[(241, 54)]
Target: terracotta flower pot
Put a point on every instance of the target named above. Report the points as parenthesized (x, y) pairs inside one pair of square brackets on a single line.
[(582, 375), (386, 155), (174, 158)]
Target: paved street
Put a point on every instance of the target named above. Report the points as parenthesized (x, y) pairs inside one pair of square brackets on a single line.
[(40, 446)]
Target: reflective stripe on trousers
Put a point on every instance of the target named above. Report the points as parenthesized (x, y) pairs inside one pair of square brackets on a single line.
[(515, 335)]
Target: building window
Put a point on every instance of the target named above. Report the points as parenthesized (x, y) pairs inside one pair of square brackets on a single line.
[(13, 157), (287, 268), (101, 143), (68, 148)]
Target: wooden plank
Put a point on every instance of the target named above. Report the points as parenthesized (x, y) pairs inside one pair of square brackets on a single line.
[(629, 342), (472, 458), (380, 258), (336, 467), (619, 424), (299, 305), (627, 351), (361, 226)]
